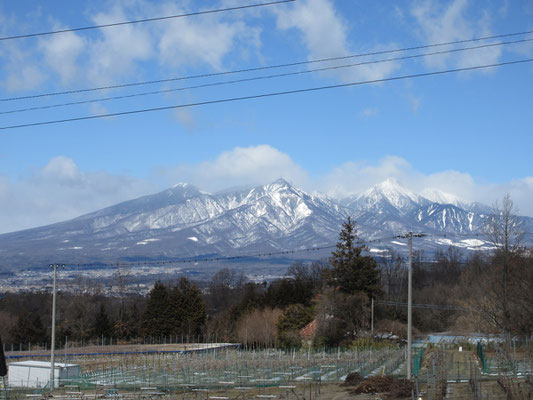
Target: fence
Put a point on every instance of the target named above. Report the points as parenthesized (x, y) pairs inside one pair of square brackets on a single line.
[(225, 368)]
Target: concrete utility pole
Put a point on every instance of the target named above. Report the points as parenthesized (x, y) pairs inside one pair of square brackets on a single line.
[(372, 319), (53, 338), (3, 368), (410, 236), (410, 308)]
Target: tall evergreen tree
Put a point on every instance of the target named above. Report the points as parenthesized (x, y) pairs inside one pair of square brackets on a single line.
[(179, 310), (353, 272), (156, 319), (132, 321), (187, 308), (102, 325), (28, 329), (295, 317)]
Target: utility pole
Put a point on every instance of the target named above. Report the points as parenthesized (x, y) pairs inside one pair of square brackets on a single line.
[(410, 307), (53, 338), (372, 319), (3, 367), (410, 236)]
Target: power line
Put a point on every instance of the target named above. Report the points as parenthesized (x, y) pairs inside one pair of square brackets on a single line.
[(293, 64), (424, 306), (219, 258), (265, 95), (263, 77), (85, 28), (202, 259)]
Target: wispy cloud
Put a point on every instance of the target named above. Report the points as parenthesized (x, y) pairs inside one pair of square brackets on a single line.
[(451, 21), (58, 191), (325, 35), (61, 53), (369, 112)]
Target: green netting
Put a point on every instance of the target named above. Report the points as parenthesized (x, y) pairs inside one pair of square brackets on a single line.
[(417, 361), (482, 358), (242, 368)]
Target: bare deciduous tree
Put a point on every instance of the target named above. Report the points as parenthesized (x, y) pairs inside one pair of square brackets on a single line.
[(259, 327), (392, 271), (504, 229)]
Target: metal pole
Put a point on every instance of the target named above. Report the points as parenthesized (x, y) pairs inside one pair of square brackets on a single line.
[(66, 349), (5, 387), (53, 339), (372, 319), (410, 307)]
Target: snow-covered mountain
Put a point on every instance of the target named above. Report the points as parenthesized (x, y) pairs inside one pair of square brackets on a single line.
[(184, 222), (385, 196)]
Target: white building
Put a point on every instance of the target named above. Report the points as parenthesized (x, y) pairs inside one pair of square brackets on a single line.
[(36, 374)]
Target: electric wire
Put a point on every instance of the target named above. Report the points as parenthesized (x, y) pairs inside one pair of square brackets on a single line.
[(200, 259), (85, 28), (195, 260), (424, 306), (266, 95), (263, 77), (293, 64)]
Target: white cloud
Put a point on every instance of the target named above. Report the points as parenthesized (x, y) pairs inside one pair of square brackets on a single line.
[(241, 166), (353, 177), (61, 52), (18, 71), (448, 22), (325, 34), (118, 50), (323, 30), (369, 112), (59, 191), (414, 101), (61, 169), (99, 109), (21, 73), (206, 41), (121, 53), (185, 116)]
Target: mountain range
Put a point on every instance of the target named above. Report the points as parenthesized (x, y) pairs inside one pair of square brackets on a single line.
[(184, 222)]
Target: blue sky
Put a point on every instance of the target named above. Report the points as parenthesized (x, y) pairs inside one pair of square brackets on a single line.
[(468, 134)]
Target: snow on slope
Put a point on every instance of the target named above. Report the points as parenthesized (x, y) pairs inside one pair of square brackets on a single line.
[(184, 221)]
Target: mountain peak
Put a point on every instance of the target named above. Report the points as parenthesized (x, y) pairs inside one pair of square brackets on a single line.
[(278, 184), (438, 196), (281, 182), (182, 185), (389, 184), (389, 191), (183, 189)]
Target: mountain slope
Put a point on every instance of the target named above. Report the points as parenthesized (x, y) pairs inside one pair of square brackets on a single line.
[(183, 222)]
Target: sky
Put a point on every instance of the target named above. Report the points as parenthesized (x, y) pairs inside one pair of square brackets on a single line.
[(466, 133)]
